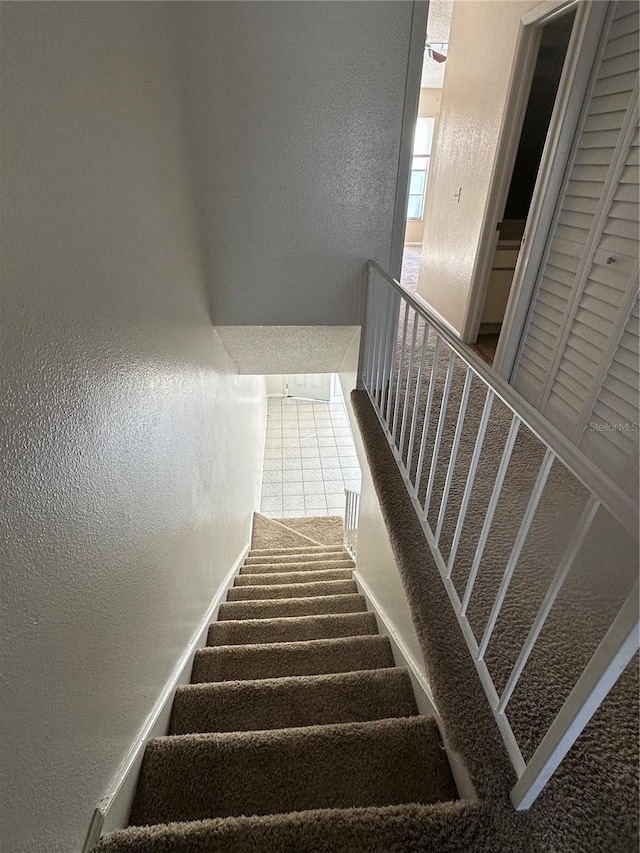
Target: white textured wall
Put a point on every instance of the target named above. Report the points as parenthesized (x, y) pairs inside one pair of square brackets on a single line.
[(275, 384), (295, 112), (287, 349), (481, 51), (377, 566), (131, 445)]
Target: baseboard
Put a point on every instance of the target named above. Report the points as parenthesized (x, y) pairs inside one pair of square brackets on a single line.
[(421, 688), (112, 810)]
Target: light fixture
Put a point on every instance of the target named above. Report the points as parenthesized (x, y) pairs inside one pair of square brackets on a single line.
[(437, 52)]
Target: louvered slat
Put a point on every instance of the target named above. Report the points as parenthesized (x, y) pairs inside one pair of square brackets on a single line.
[(614, 444), (591, 263)]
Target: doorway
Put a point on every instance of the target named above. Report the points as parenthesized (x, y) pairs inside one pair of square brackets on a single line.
[(309, 456), (309, 386), (434, 57), (510, 232)]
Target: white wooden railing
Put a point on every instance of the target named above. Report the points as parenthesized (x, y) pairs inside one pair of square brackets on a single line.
[(351, 510), (394, 370)]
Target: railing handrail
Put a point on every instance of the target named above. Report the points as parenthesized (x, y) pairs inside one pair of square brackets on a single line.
[(610, 495)]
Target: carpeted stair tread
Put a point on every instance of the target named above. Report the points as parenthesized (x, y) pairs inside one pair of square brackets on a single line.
[(323, 529), (447, 827), (385, 762), (306, 549), (271, 533), (294, 577), (282, 607), (291, 629), (289, 702), (302, 557), (297, 732), (291, 590), (276, 660), (297, 566)]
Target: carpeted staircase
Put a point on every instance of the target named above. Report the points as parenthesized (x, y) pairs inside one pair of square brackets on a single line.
[(297, 732)]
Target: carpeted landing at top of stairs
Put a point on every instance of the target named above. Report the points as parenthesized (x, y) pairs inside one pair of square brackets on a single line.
[(297, 732)]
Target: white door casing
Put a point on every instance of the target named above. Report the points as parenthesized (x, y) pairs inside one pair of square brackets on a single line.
[(583, 45)]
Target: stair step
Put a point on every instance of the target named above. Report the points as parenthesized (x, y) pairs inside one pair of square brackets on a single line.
[(297, 566), (279, 607), (198, 776), (302, 557), (280, 703), (294, 577), (277, 660), (439, 826), (272, 533), (305, 549), (323, 530), (291, 590), (291, 629)]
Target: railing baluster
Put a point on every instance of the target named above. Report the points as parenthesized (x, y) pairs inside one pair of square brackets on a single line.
[(392, 339), (579, 533), (376, 336), (493, 503), (620, 505), (416, 399), (384, 387), (454, 453), (609, 661), (405, 410), (352, 503), (382, 326), (370, 331), (439, 431), (518, 545), (405, 326), (427, 414), (473, 467), (383, 361)]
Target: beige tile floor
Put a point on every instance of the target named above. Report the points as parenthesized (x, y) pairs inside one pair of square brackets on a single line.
[(309, 459)]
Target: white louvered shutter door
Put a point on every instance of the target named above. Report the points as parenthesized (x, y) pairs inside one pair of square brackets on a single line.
[(610, 436), (589, 277)]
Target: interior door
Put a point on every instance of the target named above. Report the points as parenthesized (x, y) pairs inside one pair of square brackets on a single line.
[(577, 361), (310, 386)]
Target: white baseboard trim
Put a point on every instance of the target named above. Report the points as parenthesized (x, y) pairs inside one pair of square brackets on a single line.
[(112, 810), (421, 687)]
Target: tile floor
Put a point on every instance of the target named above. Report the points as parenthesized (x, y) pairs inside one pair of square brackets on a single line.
[(309, 459)]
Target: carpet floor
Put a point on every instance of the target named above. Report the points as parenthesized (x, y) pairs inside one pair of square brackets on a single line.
[(297, 733)]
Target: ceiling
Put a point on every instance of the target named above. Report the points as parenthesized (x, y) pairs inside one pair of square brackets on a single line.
[(438, 26)]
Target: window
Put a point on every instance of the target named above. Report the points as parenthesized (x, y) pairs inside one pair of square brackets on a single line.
[(420, 167)]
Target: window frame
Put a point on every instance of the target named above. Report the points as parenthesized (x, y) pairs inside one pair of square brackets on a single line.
[(422, 143)]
